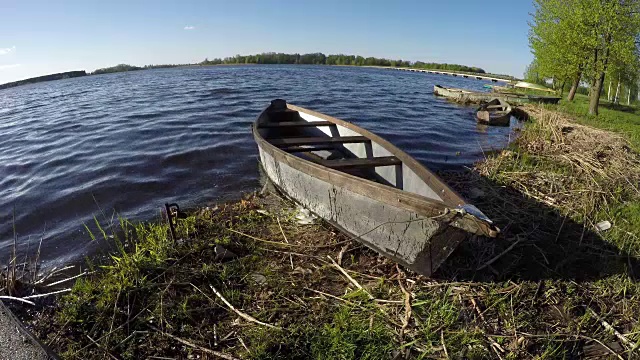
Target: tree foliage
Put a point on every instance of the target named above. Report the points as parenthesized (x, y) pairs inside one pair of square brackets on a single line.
[(338, 59), (586, 40)]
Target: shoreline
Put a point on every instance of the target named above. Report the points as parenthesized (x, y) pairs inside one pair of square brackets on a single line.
[(60, 76), (547, 286)]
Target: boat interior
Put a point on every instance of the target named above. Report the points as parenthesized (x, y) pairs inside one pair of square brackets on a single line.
[(338, 147), (496, 105)]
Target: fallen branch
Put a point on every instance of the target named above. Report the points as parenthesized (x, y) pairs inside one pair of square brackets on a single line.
[(193, 345), (352, 280), (612, 329), (242, 315)]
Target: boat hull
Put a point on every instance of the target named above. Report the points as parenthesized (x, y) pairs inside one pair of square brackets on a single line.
[(419, 242), (475, 97)]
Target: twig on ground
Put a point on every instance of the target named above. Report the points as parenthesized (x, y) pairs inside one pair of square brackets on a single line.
[(53, 272), (444, 347), (286, 240), (493, 344), (102, 348), (495, 258), (341, 253), (282, 231), (603, 345), (193, 345), (352, 280), (47, 294), (240, 313), (329, 295), (244, 345), (12, 298), (285, 244), (68, 279), (407, 308), (612, 329)]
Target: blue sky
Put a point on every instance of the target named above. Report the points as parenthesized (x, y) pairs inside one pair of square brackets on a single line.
[(42, 37)]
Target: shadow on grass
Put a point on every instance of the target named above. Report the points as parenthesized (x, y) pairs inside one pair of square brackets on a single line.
[(620, 107), (549, 246)]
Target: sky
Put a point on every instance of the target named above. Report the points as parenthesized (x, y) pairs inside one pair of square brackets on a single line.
[(44, 37)]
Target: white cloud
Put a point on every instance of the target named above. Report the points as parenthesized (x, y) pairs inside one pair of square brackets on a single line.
[(189, 27), (5, 51), (2, 67)]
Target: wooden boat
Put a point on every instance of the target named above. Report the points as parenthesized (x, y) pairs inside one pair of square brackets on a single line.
[(503, 89), (495, 112), (477, 97), (530, 86), (365, 186)]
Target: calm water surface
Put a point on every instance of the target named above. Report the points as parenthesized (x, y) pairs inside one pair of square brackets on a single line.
[(129, 142)]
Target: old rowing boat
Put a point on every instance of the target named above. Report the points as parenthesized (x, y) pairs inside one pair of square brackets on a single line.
[(478, 97), (365, 186), (495, 112)]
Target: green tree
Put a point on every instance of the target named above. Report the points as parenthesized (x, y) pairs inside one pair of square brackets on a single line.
[(580, 39)]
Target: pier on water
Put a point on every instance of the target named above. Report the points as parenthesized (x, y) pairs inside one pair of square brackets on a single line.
[(468, 76)]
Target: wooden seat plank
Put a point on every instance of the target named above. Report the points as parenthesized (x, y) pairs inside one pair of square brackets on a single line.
[(301, 149), (282, 142), (361, 162), (294, 124)]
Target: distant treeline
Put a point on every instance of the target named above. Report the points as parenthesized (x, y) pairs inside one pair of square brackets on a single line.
[(340, 59), (126, 67), (64, 75)]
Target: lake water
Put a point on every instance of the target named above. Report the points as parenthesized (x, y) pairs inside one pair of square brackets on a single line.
[(129, 142)]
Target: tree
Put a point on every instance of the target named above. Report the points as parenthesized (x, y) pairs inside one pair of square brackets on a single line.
[(557, 40), (580, 39), (616, 29)]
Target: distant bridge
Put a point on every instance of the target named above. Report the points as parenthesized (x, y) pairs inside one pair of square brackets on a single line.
[(468, 76)]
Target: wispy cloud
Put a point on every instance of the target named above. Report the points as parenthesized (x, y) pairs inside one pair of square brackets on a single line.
[(5, 51), (2, 67), (189, 27)]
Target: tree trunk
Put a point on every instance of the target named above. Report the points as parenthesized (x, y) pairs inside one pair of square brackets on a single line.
[(616, 100), (629, 97), (595, 94), (564, 82), (609, 92), (574, 87), (598, 83)]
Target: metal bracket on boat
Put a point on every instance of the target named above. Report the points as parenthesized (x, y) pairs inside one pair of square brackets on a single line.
[(173, 214), (474, 211)]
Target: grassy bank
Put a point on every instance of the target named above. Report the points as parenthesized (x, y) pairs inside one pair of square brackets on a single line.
[(551, 286), (619, 118)]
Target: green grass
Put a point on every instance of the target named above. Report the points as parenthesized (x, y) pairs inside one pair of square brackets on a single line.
[(622, 119)]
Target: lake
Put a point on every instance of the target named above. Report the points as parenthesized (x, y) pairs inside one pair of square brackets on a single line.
[(87, 147)]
